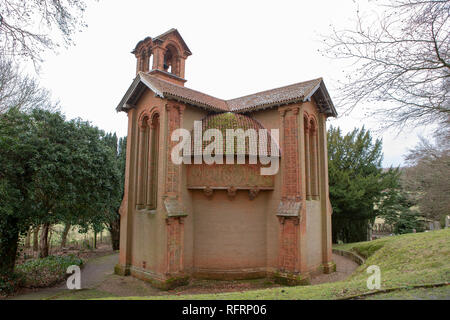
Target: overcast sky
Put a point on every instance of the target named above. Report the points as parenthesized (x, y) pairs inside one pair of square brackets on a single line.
[(238, 48)]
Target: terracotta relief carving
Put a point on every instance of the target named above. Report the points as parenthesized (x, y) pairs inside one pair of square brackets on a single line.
[(223, 176), (208, 192), (252, 193), (232, 192)]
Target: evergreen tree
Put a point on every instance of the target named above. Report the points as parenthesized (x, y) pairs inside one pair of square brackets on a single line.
[(357, 182), (51, 171)]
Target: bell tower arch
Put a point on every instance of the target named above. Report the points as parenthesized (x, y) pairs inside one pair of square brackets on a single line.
[(168, 53)]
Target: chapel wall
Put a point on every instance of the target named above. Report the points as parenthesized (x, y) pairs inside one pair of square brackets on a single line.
[(270, 119), (190, 115), (314, 234), (229, 234)]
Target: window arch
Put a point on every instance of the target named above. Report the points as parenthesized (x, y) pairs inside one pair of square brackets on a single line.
[(307, 156), (171, 60), (314, 159), (311, 157), (147, 161)]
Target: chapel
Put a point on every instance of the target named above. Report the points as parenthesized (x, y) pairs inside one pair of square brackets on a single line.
[(220, 220)]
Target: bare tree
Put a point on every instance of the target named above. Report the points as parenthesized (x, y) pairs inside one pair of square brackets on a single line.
[(428, 175), (19, 91), (27, 28), (400, 60)]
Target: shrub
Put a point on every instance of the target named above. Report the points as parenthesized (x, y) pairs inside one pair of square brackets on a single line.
[(9, 283), (47, 271)]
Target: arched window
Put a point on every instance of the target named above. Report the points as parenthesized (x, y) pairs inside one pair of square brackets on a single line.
[(311, 158), (147, 162), (152, 184), (307, 157), (150, 62), (314, 159), (171, 60)]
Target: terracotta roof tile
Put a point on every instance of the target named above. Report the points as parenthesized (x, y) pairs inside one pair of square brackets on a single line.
[(185, 94), (273, 96), (279, 96)]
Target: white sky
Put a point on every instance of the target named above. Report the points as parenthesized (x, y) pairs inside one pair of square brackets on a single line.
[(239, 47)]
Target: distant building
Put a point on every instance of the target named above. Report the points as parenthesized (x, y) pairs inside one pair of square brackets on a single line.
[(222, 221)]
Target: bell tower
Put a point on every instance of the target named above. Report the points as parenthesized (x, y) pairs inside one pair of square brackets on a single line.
[(163, 56)]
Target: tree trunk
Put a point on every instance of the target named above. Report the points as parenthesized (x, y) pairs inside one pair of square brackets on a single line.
[(64, 235), (50, 234), (36, 238), (8, 247), (43, 252), (95, 240), (114, 229), (28, 239)]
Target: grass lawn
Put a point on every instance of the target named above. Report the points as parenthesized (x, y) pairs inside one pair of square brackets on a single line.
[(405, 261)]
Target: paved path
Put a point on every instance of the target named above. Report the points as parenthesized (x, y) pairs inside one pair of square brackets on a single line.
[(344, 268)]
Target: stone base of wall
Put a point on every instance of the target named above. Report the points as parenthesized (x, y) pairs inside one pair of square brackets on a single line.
[(230, 274), (329, 267), (292, 279), (122, 270), (167, 282), (164, 282)]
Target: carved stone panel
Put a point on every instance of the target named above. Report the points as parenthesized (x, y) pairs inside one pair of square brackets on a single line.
[(224, 176)]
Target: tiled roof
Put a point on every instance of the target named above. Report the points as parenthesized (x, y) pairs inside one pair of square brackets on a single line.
[(175, 31), (171, 90), (289, 94), (273, 96)]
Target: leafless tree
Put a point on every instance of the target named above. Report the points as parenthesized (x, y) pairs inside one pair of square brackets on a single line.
[(27, 28), (400, 59), (19, 91), (428, 175)]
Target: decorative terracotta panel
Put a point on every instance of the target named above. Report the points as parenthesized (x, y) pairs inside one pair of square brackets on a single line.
[(221, 176)]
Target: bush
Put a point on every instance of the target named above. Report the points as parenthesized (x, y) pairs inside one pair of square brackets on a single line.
[(9, 283), (46, 272)]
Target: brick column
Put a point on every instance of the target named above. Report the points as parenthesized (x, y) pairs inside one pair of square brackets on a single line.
[(182, 60), (174, 208), (292, 240), (173, 171), (158, 57), (175, 245), (328, 264), (127, 206)]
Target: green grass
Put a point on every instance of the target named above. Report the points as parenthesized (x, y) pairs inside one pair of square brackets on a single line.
[(83, 294), (439, 293), (405, 261)]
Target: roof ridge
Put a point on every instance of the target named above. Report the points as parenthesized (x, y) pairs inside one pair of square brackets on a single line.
[(277, 88), (296, 92), (182, 87)]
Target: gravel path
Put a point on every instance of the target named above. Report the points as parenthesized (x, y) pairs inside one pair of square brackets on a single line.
[(344, 268)]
